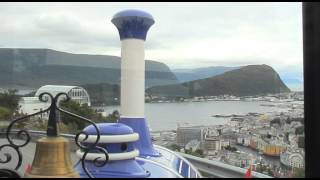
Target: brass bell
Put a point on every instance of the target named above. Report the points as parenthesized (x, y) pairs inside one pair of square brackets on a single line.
[(52, 156), (52, 159)]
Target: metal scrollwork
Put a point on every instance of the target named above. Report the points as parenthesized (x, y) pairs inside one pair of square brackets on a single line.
[(51, 131), (86, 147), (13, 145), (96, 161), (9, 173)]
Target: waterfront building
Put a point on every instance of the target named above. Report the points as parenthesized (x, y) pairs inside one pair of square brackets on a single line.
[(240, 139), (246, 141), (261, 144), (76, 93), (253, 143), (293, 139), (224, 142), (293, 158), (212, 144), (29, 105), (273, 150), (186, 134)]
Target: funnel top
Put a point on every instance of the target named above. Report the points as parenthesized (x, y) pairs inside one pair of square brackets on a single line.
[(131, 13), (132, 23)]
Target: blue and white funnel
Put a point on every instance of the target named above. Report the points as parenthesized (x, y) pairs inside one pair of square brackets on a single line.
[(133, 26), (128, 143)]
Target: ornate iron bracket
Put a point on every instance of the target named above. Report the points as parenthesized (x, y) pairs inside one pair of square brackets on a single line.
[(52, 131)]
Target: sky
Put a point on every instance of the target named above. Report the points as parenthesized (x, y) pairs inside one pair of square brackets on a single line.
[(185, 35)]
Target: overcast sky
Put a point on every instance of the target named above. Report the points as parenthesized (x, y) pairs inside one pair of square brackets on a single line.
[(184, 34)]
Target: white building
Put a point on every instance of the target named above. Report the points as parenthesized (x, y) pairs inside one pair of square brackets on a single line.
[(293, 139), (212, 144), (193, 145), (188, 133), (76, 93), (224, 143), (261, 144), (29, 105), (293, 158)]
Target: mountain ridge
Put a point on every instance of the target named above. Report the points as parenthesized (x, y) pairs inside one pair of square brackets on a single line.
[(28, 67), (184, 75), (248, 80)]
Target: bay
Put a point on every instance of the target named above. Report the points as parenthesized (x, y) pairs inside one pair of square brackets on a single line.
[(167, 116)]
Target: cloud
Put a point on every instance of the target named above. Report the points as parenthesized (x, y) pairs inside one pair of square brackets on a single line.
[(184, 34), (70, 30)]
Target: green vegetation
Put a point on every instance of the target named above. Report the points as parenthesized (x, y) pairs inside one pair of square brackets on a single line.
[(76, 125), (261, 168), (249, 80), (9, 100), (174, 147), (70, 124), (299, 173), (198, 153), (9, 106), (5, 114)]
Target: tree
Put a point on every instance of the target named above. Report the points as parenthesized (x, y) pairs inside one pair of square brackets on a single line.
[(5, 114), (9, 106), (84, 111), (198, 152), (174, 147), (270, 172), (9, 100)]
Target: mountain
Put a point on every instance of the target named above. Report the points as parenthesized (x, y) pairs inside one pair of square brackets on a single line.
[(245, 81), (103, 94), (36, 67), (184, 75)]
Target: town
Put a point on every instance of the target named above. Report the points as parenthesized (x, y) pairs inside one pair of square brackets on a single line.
[(272, 142)]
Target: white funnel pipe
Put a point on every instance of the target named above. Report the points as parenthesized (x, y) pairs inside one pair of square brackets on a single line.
[(132, 78), (133, 26)]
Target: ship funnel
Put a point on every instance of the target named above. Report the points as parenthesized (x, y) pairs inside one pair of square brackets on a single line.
[(133, 26)]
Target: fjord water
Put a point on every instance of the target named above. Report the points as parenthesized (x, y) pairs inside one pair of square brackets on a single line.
[(166, 116)]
